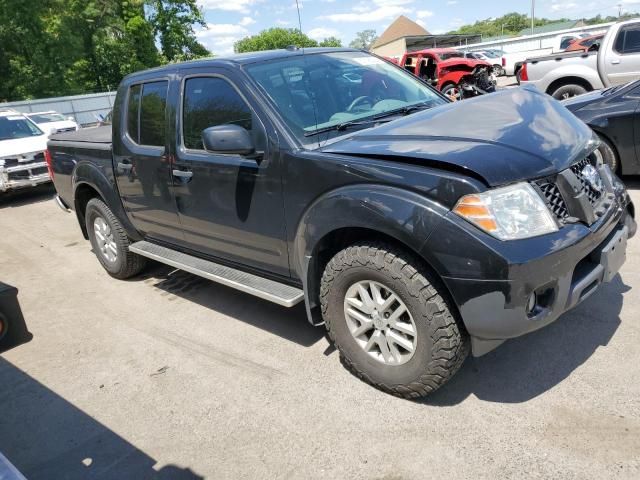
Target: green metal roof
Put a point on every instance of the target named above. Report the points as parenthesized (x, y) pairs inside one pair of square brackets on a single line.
[(551, 27)]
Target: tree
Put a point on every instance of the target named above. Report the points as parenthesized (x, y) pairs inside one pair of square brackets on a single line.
[(65, 47), (274, 38), (173, 22), (364, 39), (330, 42)]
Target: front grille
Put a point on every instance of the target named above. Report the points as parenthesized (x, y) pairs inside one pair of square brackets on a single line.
[(562, 193), (592, 194), (25, 159), (27, 174), (554, 199)]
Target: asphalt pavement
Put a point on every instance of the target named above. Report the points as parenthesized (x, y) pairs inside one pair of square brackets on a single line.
[(169, 376)]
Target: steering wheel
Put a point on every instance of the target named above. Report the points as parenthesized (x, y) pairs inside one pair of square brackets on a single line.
[(358, 101)]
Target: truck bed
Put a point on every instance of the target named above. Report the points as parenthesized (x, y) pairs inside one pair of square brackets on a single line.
[(86, 135), (87, 145)]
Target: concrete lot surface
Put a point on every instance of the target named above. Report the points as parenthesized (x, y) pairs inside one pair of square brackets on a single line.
[(168, 376)]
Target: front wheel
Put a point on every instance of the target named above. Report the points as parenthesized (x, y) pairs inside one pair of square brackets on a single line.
[(453, 91), (390, 321), (110, 242), (608, 155)]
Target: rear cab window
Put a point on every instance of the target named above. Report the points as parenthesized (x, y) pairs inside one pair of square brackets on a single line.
[(146, 113)]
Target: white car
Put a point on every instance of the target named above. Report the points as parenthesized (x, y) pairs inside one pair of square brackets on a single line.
[(53, 122), (22, 152)]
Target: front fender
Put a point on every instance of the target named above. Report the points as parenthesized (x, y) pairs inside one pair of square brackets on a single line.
[(405, 216), (100, 179)]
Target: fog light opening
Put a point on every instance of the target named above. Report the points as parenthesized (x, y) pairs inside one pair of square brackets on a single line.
[(531, 303)]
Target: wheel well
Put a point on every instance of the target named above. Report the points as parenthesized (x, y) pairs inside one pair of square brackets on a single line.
[(340, 239), (561, 82), (83, 194)]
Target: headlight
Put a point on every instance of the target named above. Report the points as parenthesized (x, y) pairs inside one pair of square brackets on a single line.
[(508, 213)]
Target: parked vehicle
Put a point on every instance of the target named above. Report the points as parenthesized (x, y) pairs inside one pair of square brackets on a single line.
[(413, 227), (450, 72), (613, 114), (53, 122), (585, 44), (512, 62), (488, 56), (22, 147), (616, 62)]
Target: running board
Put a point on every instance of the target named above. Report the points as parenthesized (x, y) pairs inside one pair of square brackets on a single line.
[(264, 288)]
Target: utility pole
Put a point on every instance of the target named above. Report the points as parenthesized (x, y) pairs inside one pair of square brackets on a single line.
[(619, 10), (533, 15)]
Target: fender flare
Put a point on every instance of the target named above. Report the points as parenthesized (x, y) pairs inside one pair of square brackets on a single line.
[(405, 216), (86, 173)]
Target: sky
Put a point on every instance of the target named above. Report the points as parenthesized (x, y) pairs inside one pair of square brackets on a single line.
[(231, 20)]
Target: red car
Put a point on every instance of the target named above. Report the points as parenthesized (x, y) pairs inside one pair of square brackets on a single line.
[(584, 44), (449, 71)]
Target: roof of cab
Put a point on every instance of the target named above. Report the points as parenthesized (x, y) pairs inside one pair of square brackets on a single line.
[(239, 59)]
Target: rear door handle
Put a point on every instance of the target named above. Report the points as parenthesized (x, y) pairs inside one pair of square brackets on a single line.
[(182, 174)]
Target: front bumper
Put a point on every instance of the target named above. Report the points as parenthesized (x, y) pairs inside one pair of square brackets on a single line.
[(25, 175), (560, 270)]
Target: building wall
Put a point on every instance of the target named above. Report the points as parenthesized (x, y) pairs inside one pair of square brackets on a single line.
[(83, 108), (395, 49), (535, 42)]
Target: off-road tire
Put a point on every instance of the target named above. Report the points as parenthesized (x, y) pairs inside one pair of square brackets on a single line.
[(568, 91), (609, 155), (442, 342), (127, 264)]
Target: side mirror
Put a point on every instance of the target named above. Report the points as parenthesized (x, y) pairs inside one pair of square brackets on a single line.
[(595, 47), (228, 139)]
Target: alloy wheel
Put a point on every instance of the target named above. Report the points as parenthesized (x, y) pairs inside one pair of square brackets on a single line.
[(380, 322)]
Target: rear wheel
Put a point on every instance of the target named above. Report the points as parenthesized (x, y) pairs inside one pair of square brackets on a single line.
[(390, 321), (110, 242), (568, 91)]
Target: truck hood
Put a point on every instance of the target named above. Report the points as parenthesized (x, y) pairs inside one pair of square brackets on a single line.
[(19, 146), (504, 137)]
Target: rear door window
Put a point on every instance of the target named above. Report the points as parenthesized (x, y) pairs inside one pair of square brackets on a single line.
[(146, 113), (628, 39)]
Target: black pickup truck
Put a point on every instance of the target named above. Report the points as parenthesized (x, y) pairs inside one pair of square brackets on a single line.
[(414, 228)]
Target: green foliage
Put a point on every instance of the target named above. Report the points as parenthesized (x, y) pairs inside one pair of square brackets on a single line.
[(330, 42), (66, 47), (364, 39), (275, 38), (513, 23)]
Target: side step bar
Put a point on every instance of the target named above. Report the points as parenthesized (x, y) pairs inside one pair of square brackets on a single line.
[(275, 292)]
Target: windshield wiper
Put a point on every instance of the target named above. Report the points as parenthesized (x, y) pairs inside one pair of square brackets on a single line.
[(373, 119)]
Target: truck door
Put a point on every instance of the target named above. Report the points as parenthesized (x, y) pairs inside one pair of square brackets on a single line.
[(230, 206), (622, 62), (142, 166)]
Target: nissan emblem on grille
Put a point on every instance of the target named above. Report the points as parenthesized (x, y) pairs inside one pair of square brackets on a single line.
[(592, 176)]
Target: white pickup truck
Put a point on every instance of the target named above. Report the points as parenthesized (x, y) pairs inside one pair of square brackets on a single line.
[(22, 153), (615, 62)]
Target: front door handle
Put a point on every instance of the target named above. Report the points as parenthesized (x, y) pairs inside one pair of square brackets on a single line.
[(615, 62), (125, 167), (182, 174)]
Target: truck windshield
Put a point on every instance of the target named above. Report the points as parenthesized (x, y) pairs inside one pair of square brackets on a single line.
[(321, 92), (16, 126)]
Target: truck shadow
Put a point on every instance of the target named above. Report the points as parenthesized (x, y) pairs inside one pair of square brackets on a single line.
[(40, 193), (47, 437), (288, 323), (525, 367)]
